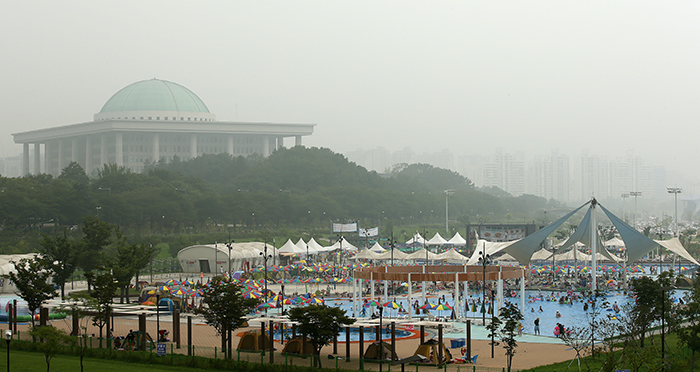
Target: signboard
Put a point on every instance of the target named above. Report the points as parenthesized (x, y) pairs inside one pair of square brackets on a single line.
[(161, 349), (344, 227)]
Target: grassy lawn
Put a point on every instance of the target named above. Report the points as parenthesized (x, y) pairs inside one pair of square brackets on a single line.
[(32, 362)]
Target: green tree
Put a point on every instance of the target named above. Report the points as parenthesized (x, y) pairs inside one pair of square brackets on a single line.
[(512, 319), (97, 235), (31, 277), (104, 286), (688, 327), (50, 341), (649, 301), (60, 254), (320, 323), (226, 307), (126, 261)]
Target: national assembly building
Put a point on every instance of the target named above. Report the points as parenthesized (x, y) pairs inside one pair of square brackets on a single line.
[(148, 121)]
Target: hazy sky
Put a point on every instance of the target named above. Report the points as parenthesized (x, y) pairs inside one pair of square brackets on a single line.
[(469, 76)]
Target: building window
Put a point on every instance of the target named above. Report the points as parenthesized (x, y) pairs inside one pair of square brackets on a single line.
[(150, 118), (166, 118), (157, 117)]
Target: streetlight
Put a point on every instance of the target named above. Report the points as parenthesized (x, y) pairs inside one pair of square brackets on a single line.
[(265, 257), (392, 245), (484, 259), (8, 338), (675, 191), (624, 212), (447, 209), (158, 317), (230, 246), (105, 189), (635, 194)]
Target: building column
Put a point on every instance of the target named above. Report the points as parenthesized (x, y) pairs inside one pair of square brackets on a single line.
[(297, 140), (266, 146), (230, 144), (60, 156), (193, 146), (25, 159), (103, 150), (37, 158), (156, 147), (280, 142), (47, 148), (119, 142), (88, 154), (74, 150)]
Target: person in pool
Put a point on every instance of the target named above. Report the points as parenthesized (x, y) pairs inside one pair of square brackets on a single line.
[(537, 326), (540, 310), (558, 314)]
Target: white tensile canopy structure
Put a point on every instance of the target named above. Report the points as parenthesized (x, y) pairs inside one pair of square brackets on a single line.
[(674, 245), (398, 255), (422, 254), (451, 255), (457, 240), (615, 242), (437, 240)]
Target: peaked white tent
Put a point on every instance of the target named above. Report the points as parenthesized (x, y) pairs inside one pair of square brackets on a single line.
[(542, 254), (365, 254), (346, 246), (291, 249), (437, 240), (376, 248), (421, 254), (416, 239), (313, 245), (615, 242), (451, 255), (398, 255), (457, 240)]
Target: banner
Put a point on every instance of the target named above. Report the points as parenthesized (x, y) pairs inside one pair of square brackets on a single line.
[(366, 233), (345, 227)]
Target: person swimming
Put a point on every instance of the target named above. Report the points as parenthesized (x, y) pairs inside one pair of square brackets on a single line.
[(558, 315), (532, 310), (540, 310)]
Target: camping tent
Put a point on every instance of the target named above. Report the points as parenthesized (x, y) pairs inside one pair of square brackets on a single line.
[(387, 351), (430, 350), (293, 346), (254, 340)]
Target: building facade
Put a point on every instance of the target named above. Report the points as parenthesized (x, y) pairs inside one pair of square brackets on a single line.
[(148, 121)]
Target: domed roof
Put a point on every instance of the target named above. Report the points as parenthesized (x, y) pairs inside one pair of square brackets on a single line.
[(154, 95)]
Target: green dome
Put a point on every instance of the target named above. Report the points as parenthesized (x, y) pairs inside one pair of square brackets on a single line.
[(154, 95)]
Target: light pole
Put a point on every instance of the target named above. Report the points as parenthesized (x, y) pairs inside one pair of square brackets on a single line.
[(634, 219), (230, 246), (392, 245), (624, 211), (484, 259), (675, 191), (265, 258), (8, 338), (447, 209), (158, 317)]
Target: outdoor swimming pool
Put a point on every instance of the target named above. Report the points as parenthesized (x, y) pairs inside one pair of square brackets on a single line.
[(370, 334)]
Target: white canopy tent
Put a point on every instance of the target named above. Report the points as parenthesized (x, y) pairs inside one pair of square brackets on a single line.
[(398, 255), (346, 246), (451, 255), (541, 255), (291, 249), (422, 254), (317, 248), (376, 248), (417, 239), (457, 240), (437, 239)]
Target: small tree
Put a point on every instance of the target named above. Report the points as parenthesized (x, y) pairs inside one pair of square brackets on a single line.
[(51, 340), (60, 255), (578, 339), (31, 278), (511, 321), (87, 305), (493, 328), (104, 286), (320, 323), (688, 327), (225, 307)]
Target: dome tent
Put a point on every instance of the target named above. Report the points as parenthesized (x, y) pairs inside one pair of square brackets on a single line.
[(430, 349), (383, 352)]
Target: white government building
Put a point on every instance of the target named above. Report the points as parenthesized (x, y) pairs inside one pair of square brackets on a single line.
[(147, 121)]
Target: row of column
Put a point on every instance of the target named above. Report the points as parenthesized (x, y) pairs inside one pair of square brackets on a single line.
[(270, 143)]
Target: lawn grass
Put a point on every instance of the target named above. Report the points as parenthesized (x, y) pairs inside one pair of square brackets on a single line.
[(34, 361)]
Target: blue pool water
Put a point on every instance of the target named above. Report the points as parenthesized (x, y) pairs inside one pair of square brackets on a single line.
[(369, 334)]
